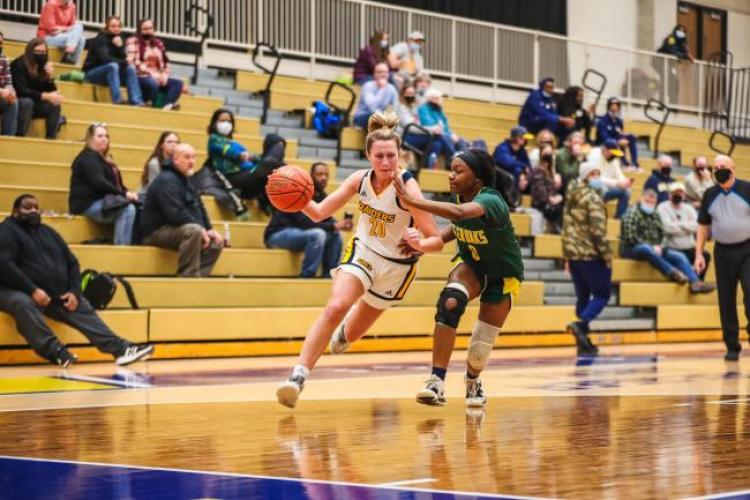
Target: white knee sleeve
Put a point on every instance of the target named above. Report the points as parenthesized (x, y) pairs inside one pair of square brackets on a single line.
[(480, 346)]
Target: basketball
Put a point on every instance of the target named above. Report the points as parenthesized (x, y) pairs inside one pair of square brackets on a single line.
[(289, 189)]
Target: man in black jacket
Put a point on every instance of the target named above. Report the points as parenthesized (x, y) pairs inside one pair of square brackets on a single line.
[(39, 276), (173, 217), (321, 242), (107, 64)]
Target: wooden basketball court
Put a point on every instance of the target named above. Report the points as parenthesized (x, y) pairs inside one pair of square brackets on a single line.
[(638, 422)]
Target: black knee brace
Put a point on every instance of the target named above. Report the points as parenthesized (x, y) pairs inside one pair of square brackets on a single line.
[(451, 317)]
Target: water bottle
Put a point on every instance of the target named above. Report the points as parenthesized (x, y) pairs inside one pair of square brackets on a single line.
[(227, 236)]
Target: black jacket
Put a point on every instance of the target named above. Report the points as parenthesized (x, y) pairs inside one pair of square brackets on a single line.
[(26, 85), (102, 51), (91, 180), (37, 259), (172, 200), (281, 220)]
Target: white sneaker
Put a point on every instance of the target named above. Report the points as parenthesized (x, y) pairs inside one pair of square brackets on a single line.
[(288, 393), (134, 353), (475, 397), (338, 344), (433, 393)]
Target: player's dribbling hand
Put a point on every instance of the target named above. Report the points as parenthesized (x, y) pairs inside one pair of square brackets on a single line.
[(406, 249), (412, 237)]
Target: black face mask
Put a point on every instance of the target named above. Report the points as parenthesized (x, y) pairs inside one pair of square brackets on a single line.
[(409, 99), (722, 175), (437, 107), (148, 38), (547, 158), (41, 59), (665, 171), (30, 220), (677, 199)]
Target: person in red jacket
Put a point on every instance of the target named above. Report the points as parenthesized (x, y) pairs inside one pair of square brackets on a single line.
[(59, 28)]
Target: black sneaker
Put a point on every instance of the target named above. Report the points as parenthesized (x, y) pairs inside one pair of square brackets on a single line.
[(133, 353), (732, 356), (584, 346), (68, 58), (288, 392), (65, 358)]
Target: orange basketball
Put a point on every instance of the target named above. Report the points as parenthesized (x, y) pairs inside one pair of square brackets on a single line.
[(289, 188)]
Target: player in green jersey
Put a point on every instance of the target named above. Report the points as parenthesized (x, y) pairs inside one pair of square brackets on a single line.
[(490, 267)]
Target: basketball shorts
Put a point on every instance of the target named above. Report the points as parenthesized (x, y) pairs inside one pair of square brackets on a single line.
[(495, 289), (385, 281)]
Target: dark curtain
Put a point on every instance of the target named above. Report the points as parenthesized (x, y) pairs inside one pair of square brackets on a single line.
[(544, 15)]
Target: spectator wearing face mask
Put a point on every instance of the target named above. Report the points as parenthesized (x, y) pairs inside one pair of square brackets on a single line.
[(510, 155), (540, 110), (406, 57), (543, 138), (569, 157), (422, 82), (698, 181), (676, 44), (432, 117), (680, 222), (661, 178), (407, 113), (616, 186), (371, 55), (611, 126), (10, 110), (377, 95), (59, 27), (642, 238), (545, 185)]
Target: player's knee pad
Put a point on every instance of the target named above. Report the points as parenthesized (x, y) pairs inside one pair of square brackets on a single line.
[(480, 346), (447, 313)]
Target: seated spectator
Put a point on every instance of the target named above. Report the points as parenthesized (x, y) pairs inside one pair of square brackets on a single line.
[(406, 57), (407, 113), (610, 126), (163, 151), (36, 90), (569, 157), (680, 222), (510, 155), (432, 117), (173, 217), (9, 104), (59, 28), (616, 186), (320, 241), (422, 82), (661, 178), (571, 105), (377, 95), (370, 56), (96, 188), (40, 276), (107, 63), (540, 111), (545, 185), (698, 181), (642, 238), (676, 44), (148, 55), (543, 138), (246, 171)]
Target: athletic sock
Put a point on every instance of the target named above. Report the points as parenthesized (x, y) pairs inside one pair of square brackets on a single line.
[(440, 372), (470, 376), (301, 371)]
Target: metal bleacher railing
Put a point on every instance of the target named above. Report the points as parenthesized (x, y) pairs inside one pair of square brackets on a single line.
[(457, 49)]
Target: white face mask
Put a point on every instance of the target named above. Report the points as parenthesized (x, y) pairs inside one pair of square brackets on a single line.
[(415, 47), (384, 44), (679, 34), (224, 128)]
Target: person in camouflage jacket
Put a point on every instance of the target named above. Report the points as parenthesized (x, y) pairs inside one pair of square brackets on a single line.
[(587, 253)]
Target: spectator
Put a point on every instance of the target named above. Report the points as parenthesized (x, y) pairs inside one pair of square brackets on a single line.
[(587, 253), (569, 157), (545, 187), (676, 44), (540, 111), (96, 187), (510, 155), (59, 28), (725, 215), (698, 181), (9, 104), (163, 151), (642, 238), (422, 82), (107, 63), (432, 117), (148, 55), (680, 222), (661, 178), (407, 113), (571, 105), (616, 186), (370, 56), (406, 57), (611, 126), (36, 90), (543, 138), (174, 217), (246, 171), (296, 232), (377, 96), (40, 276)]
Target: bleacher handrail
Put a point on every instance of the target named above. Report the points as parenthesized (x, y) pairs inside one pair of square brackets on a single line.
[(718, 133), (344, 111), (598, 91), (266, 93), (200, 29), (654, 103)]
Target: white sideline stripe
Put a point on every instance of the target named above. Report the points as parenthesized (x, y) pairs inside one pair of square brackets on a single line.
[(409, 481), (289, 479), (729, 401), (716, 496), (106, 381)]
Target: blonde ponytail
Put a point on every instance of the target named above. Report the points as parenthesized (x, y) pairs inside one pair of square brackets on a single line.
[(382, 127)]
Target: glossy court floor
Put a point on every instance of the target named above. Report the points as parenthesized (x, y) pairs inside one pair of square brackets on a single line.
[(638, 422)]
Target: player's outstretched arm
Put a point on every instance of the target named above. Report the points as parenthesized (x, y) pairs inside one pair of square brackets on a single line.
[(450, 211), (334, 201), (432, 240)]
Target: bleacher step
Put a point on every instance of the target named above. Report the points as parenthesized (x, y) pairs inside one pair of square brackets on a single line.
[(570, 300), (636, 324)]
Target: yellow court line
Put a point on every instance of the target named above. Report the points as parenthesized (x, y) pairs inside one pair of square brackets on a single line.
[(23, 385)]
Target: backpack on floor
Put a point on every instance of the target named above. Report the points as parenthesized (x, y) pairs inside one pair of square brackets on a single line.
[(99, 288), (325, 120)]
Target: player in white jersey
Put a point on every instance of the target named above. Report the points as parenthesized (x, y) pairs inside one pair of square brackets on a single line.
[(373, 267)]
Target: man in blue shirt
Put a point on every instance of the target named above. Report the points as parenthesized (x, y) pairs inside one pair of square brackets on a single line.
[(540, 111), (510, 155), (611, 126)]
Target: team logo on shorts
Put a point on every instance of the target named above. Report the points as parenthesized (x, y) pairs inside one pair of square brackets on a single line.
[(365, 264)]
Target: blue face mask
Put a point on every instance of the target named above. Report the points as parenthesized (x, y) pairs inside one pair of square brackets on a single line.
[(545, 94), (647, 209), (596, 184), (415, 47)]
